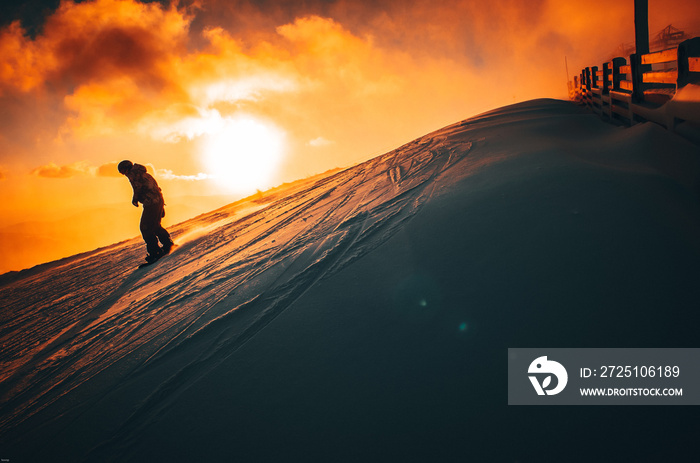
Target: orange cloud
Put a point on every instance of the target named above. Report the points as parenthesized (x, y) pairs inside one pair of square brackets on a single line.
[(101, 108), (51, 170), (327, 54), (126, 66), (361, 74), (24, 62), (81, 169), (108, 170), (93, 41), (111, 59)]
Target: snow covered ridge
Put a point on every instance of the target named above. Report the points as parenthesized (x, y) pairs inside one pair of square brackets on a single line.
[(343, 319)]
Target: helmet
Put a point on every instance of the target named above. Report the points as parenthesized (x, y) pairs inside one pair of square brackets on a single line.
[(125, 166)]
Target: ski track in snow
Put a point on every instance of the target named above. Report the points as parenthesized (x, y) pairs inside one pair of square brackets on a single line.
[(234, 271)]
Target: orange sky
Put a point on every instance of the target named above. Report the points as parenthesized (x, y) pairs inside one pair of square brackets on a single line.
[(273, 90)]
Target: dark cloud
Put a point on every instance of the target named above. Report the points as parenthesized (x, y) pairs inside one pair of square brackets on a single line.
[(91, 42), (31, 13), (108, 53), (111, 43)]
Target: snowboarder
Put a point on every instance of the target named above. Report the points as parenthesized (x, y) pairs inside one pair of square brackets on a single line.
[(147, 192)]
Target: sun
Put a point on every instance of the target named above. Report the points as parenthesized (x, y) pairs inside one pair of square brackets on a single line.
[(243, 154)]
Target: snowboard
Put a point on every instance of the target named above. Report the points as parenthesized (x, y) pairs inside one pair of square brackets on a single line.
[(165, 253)]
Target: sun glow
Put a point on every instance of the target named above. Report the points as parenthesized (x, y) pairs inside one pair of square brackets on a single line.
[(243, 155)]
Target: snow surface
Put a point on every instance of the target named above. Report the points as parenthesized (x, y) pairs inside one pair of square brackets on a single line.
[(366, 316)]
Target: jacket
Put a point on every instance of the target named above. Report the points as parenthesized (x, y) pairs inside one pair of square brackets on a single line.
[(146, 189)]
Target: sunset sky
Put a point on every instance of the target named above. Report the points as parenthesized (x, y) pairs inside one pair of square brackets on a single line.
[(226, 97)]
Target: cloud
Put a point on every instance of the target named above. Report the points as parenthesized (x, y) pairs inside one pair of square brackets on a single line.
[(108, 61), (245, 88), (108, 170), (102, 108), (52, 170), (93, 42), (123, 66), (82, 169), (24, 62), (320, 141), (309, 56), (180, 121), (365, 74), (167, 174)]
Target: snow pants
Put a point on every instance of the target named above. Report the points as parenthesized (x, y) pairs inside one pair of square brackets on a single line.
[(152, 230)]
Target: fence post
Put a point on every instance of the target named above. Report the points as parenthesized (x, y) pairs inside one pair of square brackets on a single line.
[(637, 78), (605, 97), (606, 72), (687, 49), (594, 77), (617, 63), (641, 42), (588, 79), (641, 27), (588, 99)]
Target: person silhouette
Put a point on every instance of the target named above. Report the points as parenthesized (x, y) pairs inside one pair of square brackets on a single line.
[(148, 193)]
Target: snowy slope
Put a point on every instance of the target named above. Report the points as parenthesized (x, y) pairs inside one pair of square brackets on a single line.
[(366, 316)]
